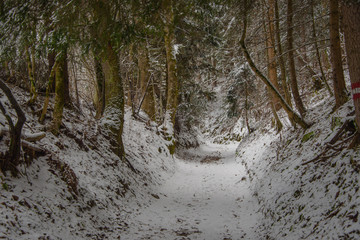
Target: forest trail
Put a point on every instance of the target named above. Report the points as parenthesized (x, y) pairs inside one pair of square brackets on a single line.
[(207, 198)]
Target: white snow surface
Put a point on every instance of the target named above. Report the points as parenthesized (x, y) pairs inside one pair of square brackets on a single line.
[(257, 189), (208, 197)]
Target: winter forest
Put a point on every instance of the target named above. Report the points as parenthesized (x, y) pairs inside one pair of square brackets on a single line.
[(187, 119)]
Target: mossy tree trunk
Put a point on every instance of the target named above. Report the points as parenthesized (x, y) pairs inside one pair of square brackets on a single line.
[(114, 100), (172, 80), (59, 95), (49, 89), (113, 116)]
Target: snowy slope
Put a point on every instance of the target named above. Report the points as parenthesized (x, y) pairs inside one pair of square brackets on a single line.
[(317, 200), (81, 190)]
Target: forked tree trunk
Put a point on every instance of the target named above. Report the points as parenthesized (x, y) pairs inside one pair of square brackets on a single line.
[(13, 156), (336, 59), (294, 84)]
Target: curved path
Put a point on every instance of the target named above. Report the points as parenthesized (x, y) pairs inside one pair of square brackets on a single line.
[(207, 198)]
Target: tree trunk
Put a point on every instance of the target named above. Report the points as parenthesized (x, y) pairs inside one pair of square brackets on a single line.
[(100, 88), (172, 81), (30, 66), (351, 21), (336, 58), (48, 91), (51, 62), (271, 54), (65, 74), (247, 108), (114, 100), (147, 102), (294, 85), (281, 57), (12, 160), (318, 57), (293, 116), (323, 44), (59, 95), (271, 57)]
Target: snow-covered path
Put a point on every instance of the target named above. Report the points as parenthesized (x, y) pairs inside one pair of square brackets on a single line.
[(202, 200)]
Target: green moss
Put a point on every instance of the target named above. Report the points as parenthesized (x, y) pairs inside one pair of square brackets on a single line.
[(172, 147), (5, 186), (335, 122), (307, 137)]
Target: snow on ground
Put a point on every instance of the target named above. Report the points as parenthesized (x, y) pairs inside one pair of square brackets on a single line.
[(317, 200), (258, 190), (80, 189), (208, 197)]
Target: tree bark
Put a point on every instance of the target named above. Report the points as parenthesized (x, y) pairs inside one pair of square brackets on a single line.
[(59, 95), (114, 99), (51, 62), (48, 91), (12, 160), (318, 57), (147, 104), (65, 74), (172, 80), (291, 113), (100, 88), (294, 85), (351, 22), (336, 58), (114, 93), (272, 68), (287, 94), (30, 66), (247, 107), (271, 54)]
